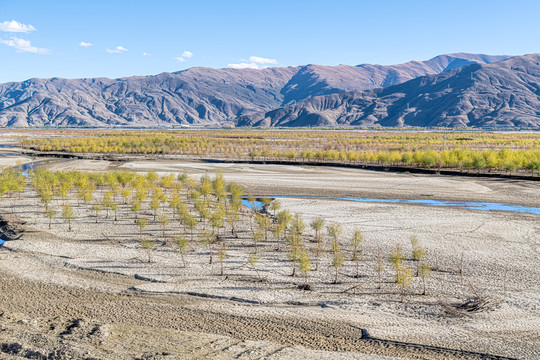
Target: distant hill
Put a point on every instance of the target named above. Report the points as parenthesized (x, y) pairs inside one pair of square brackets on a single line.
[(203, 96), (502, 94)]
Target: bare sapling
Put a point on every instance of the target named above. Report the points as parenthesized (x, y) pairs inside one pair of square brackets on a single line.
[(207, 239), (424, 272), (163, 221), (356, 243), (304, 267), (50, 213), (396, 259), (461, 268), (222, 254), (379, 266), (253, 260), (317, 225)]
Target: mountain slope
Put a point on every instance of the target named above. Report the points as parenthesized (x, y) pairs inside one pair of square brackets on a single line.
[(503, 94), (199, 96)]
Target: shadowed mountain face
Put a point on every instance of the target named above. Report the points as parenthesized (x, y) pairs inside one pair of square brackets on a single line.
[(200, 96), (503, 94)]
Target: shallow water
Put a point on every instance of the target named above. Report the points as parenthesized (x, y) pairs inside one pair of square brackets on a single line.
[(26, 168), (256, 206), (2, 242), (482, 206)]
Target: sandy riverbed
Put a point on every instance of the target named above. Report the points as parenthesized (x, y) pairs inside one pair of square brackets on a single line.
[(235, 316)]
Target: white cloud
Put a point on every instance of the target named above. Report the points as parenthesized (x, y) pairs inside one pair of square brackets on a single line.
[(85, 44), (146, 54), (261, 60), (117, 50), (185, 55), (23, 45), (254, 62), (15, 26), (243, 66)]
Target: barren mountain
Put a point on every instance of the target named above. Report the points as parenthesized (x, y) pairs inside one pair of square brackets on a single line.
[(503, 94), (199, 96)]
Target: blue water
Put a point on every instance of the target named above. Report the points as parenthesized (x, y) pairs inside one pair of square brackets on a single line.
[(258, 205), (2, 242), (482, 206), (26, 168)]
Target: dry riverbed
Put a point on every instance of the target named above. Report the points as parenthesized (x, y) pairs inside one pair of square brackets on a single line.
[(90, 293)]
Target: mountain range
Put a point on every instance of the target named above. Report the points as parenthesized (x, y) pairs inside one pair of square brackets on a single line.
[(449, 90), (502, 94)]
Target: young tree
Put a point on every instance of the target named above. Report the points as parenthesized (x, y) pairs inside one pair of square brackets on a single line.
[(295, 243), (284, 218), (216, 218), (50, 213), (155, 205), (424, 271), (191, 222), (275, 205), (257, 237), (136, 208), (163, 221), (114, 207), (304, 266), (222, 254), (108, 201), (126, 193), (182, 244), (396, 259), (207, 239), (337, 259), (335, 231), (232, 216), (356, 242), (147, 245), (97, 207), (379, 266), (141, 223), (253, 260), (266, 201), (264, 223), (404, 277), (317, 225), (67, 214), (418, 252)]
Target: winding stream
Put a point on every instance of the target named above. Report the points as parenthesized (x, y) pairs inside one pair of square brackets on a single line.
[(471, 205)]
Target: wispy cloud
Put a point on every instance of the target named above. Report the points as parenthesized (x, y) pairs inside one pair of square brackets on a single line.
[(185, 56), (253, 62), (85, 44), (261, 60), (243, 66), (16, 27), (23, 46), (117, 50), (146, 54)]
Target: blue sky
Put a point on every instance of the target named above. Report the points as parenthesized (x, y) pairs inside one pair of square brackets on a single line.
[(124, 38)]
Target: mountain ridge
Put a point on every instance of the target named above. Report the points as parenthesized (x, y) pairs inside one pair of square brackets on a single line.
[(501, 94), (198, 96)]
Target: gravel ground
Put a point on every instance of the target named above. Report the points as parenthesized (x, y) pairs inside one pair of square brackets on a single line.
[(98, 273)]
